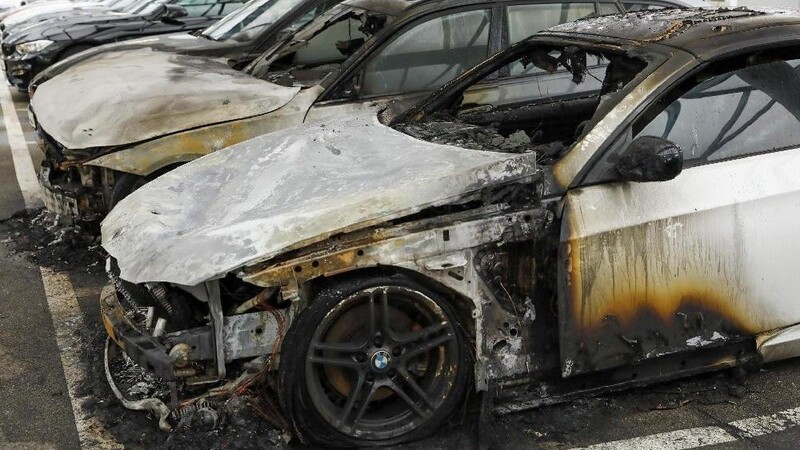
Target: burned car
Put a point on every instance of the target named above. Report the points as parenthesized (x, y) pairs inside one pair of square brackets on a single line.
[(28, 50), (121, 119), (613, 214), (240, 36)]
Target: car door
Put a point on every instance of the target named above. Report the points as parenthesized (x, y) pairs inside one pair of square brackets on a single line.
[(431, 51), (657, 268)]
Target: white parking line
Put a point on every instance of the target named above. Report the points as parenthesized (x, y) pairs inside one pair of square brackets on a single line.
[(672, 440), (67, 318), (759, 426), (705, 436), (61, 299), (23, 165)]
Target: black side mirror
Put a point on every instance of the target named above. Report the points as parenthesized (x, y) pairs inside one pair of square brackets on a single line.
[(650, 158), (172, 12)]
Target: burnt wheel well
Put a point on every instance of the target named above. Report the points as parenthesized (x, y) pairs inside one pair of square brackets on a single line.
[(74, 49), (462, 305)]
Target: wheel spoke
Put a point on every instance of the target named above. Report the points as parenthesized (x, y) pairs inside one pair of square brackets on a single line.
[(351, 399), (425, 345), (412, 383), (372, 320), (412, 336), (409, 401), (340, 347), (332, 361), (386, 328), (362, 408)]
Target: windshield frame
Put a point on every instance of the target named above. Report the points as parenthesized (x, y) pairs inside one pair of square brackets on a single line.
[(144, 7), (573, 163), (307, 32), (226, 28)]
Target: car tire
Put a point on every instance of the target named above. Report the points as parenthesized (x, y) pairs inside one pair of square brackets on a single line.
[(381, 407), (124, 185)]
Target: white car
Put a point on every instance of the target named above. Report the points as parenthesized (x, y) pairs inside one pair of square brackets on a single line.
[(621, 209)]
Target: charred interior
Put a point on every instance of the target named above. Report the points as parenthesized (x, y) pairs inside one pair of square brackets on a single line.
[(545, 113)]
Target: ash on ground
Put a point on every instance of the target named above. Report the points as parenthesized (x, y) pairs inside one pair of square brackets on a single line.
[(232, 425), (51, 242)]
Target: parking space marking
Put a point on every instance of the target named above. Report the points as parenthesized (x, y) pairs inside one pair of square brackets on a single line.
[(23, 164), (705, 436), (67, 319), (672, 440), (61, 298), (759, 426)]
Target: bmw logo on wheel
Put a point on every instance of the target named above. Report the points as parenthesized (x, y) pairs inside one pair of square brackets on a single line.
[(380, 360)]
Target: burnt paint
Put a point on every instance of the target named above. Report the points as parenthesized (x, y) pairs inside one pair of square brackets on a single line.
[(646, 334)]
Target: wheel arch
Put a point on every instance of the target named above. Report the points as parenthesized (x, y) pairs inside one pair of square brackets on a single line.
[(143, 163), (462, 305), (326, 289)]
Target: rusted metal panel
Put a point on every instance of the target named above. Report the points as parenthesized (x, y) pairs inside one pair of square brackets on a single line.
[(83, 107)]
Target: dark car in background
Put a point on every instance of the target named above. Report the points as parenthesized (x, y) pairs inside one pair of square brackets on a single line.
[(52, 9), (241, 36), (28, 51)]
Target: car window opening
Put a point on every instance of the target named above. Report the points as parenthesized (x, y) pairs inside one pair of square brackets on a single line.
[(543, 107), (320, 48)]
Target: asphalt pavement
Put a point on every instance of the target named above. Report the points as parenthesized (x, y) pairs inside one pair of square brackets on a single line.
[(49, 348)]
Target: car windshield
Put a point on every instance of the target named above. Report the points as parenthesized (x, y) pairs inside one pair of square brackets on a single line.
[(252, 19), (144, 7), (121, 5), (320, 47), (545, 101)]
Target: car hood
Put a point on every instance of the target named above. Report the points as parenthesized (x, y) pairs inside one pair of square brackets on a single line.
[(69, 26), (124, 97), (286, 190), (33, 11), (183, 42)]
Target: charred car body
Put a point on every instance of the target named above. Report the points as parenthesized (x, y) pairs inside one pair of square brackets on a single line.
[(29, 50), (578, 228), (101, 145), (240, 37)]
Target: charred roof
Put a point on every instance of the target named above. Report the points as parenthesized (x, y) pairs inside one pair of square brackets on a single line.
[(698, 31)]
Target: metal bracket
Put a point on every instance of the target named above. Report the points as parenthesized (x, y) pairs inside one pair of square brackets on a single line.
[(217, 324)]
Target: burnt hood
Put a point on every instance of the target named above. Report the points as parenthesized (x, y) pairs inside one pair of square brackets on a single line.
[(286, 190), (119, 98)]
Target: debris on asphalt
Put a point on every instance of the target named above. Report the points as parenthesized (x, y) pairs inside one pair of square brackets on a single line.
[(233, 416), (51, 242), (232, 425)]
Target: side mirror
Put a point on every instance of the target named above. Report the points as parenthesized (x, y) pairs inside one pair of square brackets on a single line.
[(650, 158), (172, 12)]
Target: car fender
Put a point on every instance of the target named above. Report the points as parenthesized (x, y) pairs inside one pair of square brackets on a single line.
[(151, 156)]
